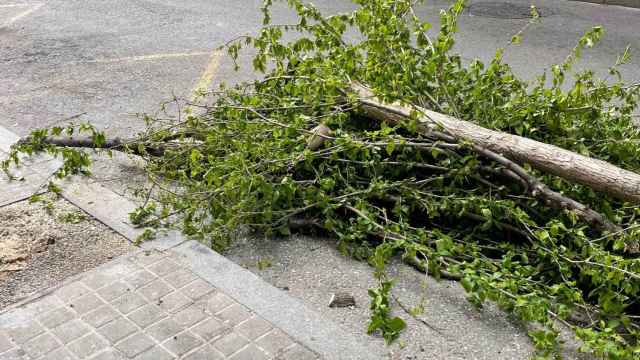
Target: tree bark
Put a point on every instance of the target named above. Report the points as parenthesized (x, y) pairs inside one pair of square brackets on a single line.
[(110, 144), (597, 174)]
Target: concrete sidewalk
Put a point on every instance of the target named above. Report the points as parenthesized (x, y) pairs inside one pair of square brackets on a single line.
[(186, 302), (148, 305), (173, 299)]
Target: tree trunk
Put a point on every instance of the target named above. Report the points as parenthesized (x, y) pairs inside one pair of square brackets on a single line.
[(597, 174)]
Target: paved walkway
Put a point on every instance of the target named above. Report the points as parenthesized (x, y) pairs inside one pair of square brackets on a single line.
[(173, 299), (144, 306)]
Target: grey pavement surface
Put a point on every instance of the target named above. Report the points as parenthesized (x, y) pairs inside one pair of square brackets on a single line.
[(288, 315), (149, 305), (111, 59), (312, 269), (108, 60)]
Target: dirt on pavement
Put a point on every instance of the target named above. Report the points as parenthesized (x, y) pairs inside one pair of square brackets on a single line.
[(40, 245)]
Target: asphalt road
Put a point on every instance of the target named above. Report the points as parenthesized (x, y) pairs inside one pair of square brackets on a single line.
[(110, 59)]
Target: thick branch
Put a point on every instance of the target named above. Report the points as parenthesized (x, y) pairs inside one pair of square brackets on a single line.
[(132, 145), (597, 174), (482, 144)]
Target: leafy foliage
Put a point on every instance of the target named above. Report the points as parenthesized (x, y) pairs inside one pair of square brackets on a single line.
[(243, 162)]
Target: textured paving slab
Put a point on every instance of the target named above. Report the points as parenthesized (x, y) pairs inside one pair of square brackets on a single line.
[(158, 304), (149, 305), (113, 210), (28, 178)]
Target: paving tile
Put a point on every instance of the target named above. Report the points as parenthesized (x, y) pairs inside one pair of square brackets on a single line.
[(155, 290), (56, 317), (210, 329), (20, 333), (71, 291), (177, 257), (70, 330), (274, 342), (98, 279), (173, 301), (40, 345), (147, 315), (297, 352), (180, 278), (164, 329), (190, 315), (147, 257), (44, 304), (218, 302), (100, 316), (182, 343), (163, 267), (59, 354), (128, 302), (121, 269), (5, 343), (254, 327), (155, 353), (161, 312), (250, 352), (87, 346), (135, 344), (117, 329), (113, 290), (205, 353), (14, 354), (140, 279), (109, 354), (197, 289), (234, 314), (86, 303), (230, 343)]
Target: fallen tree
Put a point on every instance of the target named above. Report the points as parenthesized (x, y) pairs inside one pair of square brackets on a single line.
[(597, 174), (526, 193)]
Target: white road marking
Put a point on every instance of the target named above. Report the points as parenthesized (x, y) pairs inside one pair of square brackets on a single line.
[(14, 5), (147, 57), (33, 8)]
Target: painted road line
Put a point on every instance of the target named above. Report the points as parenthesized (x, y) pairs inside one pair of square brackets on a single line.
[(14, 5), (207, 76), (22, 14), (147, 57)]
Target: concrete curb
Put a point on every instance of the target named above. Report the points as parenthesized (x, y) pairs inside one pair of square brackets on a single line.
[(113, 210), (291, 315)]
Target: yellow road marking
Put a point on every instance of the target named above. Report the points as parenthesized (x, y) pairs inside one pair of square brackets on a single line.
[(22, 14), (148, 57), (207, 76)]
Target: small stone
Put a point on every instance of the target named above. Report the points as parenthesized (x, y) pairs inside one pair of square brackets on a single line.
[(342, 299)]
